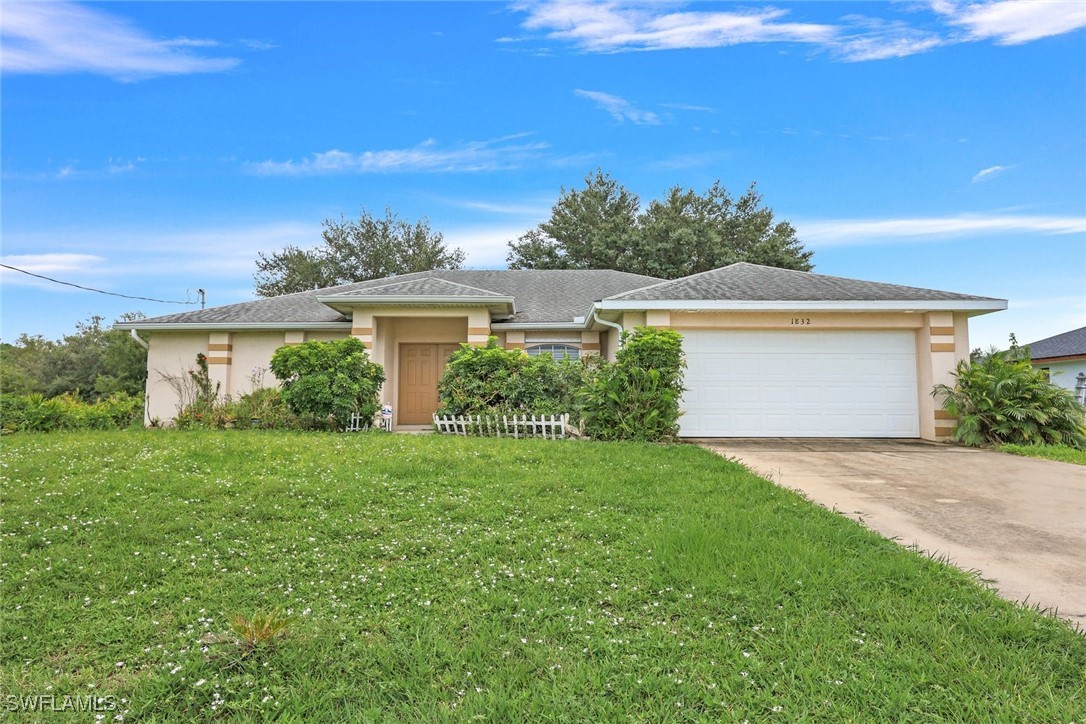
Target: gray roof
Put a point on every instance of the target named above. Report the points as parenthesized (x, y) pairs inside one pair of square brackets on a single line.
[(542, 295), (751, 282), (1068, 344), (561, 295), (426, 287)]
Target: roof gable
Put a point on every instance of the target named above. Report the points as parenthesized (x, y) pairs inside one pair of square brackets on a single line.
[(424, 287), (743, 281)]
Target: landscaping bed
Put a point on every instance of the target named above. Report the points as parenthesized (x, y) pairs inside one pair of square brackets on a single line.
[(438, 577)]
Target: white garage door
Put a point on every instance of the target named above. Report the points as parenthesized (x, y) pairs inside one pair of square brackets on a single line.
[(800, 384)]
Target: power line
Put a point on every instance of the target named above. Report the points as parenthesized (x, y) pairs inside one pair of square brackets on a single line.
[(91, 289)]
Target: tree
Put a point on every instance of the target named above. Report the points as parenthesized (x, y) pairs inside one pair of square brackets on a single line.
[(354, 251), (603, 227), (590, 228), (92, 363)]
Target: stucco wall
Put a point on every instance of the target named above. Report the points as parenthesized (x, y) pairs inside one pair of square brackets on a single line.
[(232, 358), (169, 354)]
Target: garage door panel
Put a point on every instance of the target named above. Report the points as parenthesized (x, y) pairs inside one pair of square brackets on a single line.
[(756, 383)]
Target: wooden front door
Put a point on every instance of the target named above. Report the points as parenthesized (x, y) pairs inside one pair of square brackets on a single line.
[(421, 366)]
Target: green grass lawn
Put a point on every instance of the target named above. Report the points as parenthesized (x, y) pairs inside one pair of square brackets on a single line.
[(437, 578), (1062, 453)]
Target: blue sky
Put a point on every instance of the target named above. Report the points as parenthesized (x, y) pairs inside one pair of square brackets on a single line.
[(154, 148)]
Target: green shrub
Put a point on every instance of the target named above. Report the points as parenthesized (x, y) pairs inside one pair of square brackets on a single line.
[(265, 408), (324, 383), (262, 408), (637, 397), (36, 413), (496, 381), (1001, 398)]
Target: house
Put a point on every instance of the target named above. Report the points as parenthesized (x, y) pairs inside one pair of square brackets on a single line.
[(770, 352), (1063, 357)]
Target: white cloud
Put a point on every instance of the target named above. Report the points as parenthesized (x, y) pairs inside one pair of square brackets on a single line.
[(48, 264), (53, 262), (619, 108), (689, 107), (485, 244), (427, 157), (985, 173), (864, 39), (852, 232), (1012, 22), (62, 37), (624, 25), (614, 26), (536, 211)]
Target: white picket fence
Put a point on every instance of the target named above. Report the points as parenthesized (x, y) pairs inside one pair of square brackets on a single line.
[(553, 427), (358, 423)]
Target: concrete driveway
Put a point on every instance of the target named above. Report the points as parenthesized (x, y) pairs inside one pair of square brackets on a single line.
[(1021, 522)]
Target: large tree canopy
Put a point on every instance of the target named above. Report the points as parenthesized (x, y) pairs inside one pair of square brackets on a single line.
[(92, 363), (354, 251), (602, 226)]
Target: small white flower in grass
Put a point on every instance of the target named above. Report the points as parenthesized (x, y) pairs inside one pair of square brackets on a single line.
[(120, 664), (744, 674), (746, 654), (201, 682), (776, 709)]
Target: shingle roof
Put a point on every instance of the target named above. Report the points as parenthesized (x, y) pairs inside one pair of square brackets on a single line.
[(426, 287), (1067, 344), (752, 282), (561, 295), (551, 295)]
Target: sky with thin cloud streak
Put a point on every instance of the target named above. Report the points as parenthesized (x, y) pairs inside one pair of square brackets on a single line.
[(156, 148)]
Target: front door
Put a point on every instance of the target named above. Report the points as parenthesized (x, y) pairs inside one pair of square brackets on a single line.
[(421, 366)]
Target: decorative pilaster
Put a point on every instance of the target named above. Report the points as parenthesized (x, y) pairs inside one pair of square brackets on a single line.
[(943, 351), (220, 352), (362, 327)]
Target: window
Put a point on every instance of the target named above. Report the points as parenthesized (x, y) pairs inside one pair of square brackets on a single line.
[(1080, 387), (557, 351)]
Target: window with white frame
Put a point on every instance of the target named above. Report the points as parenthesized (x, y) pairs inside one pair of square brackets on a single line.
[(557, 351), (1080, 388)]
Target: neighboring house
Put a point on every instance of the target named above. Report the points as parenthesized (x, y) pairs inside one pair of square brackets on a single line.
[(770, 352), (1063, 357)]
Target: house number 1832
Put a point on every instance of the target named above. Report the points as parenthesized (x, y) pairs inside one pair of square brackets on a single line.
[(801, 320)]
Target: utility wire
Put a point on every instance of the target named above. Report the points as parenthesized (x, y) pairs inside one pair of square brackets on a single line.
[(91, 289)]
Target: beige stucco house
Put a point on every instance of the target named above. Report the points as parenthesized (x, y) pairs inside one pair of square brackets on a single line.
[(770, 352)]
